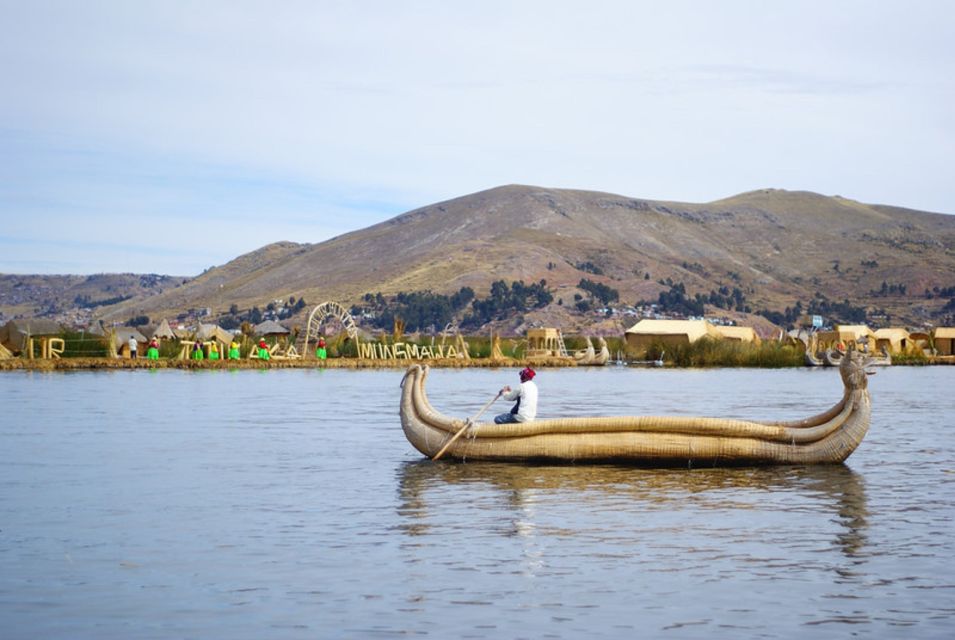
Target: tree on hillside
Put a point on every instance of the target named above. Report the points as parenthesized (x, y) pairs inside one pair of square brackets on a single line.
[(599, 291)]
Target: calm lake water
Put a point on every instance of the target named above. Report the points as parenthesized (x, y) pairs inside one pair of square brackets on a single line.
[(288, 504)]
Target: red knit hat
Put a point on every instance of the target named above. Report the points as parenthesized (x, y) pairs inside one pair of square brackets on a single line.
[(527, 374)]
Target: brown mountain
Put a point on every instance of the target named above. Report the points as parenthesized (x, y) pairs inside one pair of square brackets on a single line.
[(77, 297), (777, 246)]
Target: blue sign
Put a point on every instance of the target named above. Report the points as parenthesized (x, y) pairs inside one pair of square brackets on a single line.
[(817, 321)]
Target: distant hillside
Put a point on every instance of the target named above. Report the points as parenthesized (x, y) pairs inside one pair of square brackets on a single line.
[(80, 296), (776, 247)]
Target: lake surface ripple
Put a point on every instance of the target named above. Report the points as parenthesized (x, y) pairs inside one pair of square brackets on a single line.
[(288, 504)]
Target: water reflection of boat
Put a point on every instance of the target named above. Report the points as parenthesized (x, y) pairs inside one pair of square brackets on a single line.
[(834, 489), (830, 436)]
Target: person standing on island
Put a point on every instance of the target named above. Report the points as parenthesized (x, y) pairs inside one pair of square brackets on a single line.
[(152, 353), (197, 353), (525, 409), (321, 353), (133, 346), (234, 350), (264, 350)]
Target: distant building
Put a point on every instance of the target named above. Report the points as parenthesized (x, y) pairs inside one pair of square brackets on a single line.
[(163, 331), (121, 337), (16, 334), (648, 332), (270, 328), (943, 337), (893, 340), (739, 334), (858, 334)]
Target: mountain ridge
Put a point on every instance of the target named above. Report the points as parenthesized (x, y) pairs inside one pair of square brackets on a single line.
[(778, 246)]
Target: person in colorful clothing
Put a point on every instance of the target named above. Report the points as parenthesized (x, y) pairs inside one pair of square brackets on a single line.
[(197, 353), (321, 353), (234, 350), (152, 352), (214, 350), (264, 350)]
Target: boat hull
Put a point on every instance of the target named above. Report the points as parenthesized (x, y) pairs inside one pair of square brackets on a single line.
[(828, 437)]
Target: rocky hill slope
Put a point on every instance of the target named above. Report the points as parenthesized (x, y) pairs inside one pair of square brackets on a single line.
[(778, 247)]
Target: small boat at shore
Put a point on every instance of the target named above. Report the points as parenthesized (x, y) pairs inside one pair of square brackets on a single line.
[(828, 437), (832, 357)]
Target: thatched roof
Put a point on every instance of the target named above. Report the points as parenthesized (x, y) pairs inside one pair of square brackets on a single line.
[(270, 328), (121, 335), (213, 332), (891, 333), (164, 331), (13, 334), (943, 332), (543, 333), (857, 330), (692, 329), (743, 334), (33, 327)]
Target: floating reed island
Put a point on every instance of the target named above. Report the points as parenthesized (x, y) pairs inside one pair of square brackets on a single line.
[(828, 437), (72, 364)]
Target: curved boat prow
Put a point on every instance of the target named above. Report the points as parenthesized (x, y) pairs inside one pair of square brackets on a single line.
[(828, 437)]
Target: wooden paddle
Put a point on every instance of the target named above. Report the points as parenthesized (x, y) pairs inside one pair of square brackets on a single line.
[(467, 424)]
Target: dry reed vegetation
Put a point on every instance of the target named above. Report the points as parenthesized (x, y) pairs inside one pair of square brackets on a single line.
[(725, 353)]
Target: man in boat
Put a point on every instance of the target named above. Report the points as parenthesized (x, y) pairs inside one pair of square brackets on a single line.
[(525, 409)]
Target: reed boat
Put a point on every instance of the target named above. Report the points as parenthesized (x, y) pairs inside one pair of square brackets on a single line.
[(812, 360), (828, 437), (832, 357)]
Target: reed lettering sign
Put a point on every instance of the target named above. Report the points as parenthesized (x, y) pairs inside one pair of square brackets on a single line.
[(409, 351)]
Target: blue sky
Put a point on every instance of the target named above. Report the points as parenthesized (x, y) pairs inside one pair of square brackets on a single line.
[(168, 137)]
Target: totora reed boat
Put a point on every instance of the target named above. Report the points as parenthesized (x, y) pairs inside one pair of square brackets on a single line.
[(828, 437)]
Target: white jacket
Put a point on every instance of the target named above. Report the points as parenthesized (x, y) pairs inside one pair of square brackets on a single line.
[(527, 392)]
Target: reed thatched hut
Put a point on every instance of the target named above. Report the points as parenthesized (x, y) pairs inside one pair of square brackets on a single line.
[(944, 339), (739, 334), (270, 328), (648, 332), (18, 335), (121, 337), (209, 332), (893, 340), (857, 334), (164, 331)]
